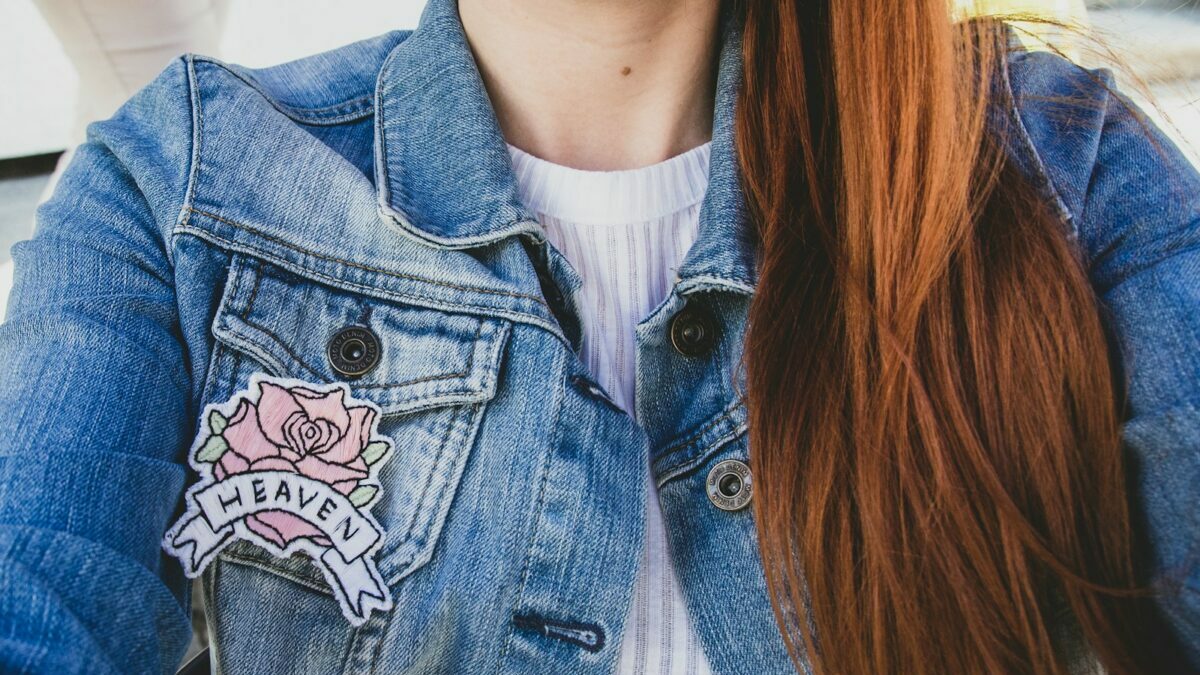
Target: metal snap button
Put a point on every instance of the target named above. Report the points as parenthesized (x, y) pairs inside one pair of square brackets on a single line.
[(353, 351), (693, 331), (729, 486)]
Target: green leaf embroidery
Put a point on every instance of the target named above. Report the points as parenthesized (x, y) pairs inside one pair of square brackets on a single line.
[(375, 451), (212, 449), (363, 494), (217, 422)]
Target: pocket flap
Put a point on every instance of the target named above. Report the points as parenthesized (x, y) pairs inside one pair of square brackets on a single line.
[(426, 357)]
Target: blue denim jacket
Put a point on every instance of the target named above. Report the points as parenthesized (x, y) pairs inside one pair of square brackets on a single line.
[(229, 222)]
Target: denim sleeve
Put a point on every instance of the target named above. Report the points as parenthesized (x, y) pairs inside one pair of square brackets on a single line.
[(1138, 219), (94, 405)]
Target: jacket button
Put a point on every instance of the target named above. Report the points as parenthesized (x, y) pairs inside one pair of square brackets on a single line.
[(693, 331), (353, 351), (729, 487)]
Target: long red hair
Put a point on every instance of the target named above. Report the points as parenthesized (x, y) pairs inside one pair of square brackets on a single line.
[(934, 419)]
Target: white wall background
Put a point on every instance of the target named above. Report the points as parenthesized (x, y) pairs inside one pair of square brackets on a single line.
[(39, 85)]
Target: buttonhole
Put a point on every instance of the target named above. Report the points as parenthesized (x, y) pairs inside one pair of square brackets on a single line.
[(594, 390), (587, 635)]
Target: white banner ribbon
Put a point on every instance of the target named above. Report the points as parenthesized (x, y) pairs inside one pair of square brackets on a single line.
[(215, 511)]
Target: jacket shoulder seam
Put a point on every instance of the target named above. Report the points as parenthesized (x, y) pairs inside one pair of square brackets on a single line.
[(185, 210)]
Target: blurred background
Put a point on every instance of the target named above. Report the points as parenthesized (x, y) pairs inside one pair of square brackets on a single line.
[(64, 63)]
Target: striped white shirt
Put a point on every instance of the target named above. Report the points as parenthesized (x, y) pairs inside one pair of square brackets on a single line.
[(626, 232)]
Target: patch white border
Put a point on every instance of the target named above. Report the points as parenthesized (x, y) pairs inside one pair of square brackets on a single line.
[(356, 610)]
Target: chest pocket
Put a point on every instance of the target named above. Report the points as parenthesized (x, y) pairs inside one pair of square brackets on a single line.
[(433, 373)]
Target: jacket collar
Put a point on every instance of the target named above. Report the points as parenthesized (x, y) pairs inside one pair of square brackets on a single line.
[(444, 175)]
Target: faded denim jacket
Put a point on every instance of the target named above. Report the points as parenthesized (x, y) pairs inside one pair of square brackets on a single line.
[(348, 225)]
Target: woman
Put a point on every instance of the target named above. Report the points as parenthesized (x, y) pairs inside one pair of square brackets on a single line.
[(463, 330)]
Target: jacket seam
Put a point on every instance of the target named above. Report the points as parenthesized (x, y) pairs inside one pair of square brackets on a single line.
[(419, 510), (266, 566), (1039, 166), (397, 218), (1085, 199), (535, 517), (373, 291), (257, 270), (193, 171), (692, 438), (361, 266), (286, 350), (254, 350), (707, 281), (247, 345), (452, 458), (700, 456), (304, 364), (399, 221), (382, 182), (245, 317), (416, 380)]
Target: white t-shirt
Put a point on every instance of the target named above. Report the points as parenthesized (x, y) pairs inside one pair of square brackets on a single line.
[(626, 232)]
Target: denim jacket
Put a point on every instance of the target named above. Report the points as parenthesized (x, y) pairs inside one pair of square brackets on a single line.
[(352, 218)]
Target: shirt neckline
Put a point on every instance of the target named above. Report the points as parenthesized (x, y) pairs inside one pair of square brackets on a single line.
[(611, 197)]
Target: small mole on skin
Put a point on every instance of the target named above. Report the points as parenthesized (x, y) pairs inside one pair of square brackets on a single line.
[(626, 70)]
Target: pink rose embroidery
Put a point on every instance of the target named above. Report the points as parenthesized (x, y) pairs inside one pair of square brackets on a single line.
[(302, 431), (291, 466)]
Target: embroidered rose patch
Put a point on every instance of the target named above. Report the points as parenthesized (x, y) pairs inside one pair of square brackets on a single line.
[(290, 466)]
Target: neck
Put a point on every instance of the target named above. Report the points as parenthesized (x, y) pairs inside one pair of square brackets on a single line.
[(594, 85)]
